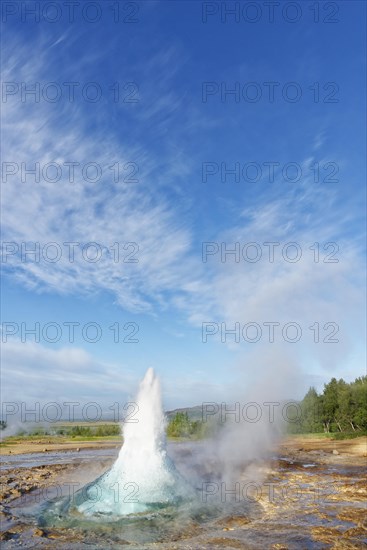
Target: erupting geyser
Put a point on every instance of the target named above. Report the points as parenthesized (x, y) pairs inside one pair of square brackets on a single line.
[(143, 477)]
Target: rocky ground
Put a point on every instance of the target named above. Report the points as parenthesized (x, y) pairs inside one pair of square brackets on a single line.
[(312, 495)]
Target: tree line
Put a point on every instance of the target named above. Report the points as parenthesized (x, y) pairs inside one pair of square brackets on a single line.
[(181, 426), (340, 408)]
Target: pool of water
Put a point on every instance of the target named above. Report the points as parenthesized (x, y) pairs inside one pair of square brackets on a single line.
[(32, 460)]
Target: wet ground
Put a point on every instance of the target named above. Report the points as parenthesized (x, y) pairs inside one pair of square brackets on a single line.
[(306, 496)]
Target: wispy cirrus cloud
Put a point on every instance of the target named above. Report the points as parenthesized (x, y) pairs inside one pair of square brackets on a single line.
[(105, 212)]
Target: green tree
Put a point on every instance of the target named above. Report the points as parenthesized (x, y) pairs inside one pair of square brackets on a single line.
[(181, 426), (342, 407), (330, 404), (359, 403), (311, 421), (345, 405)]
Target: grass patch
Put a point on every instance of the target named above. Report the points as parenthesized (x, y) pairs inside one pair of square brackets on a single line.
[(332, 435), (321, 435), (94, 438), (348, 435)]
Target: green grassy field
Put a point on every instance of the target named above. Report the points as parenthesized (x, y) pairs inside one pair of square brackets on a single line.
[(104, 431), (70, 432)]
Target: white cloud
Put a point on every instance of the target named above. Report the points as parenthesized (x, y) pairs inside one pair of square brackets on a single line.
[(32, 371), (104, 212)]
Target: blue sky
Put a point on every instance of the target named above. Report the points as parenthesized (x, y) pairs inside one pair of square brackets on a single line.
[(176, 127)]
